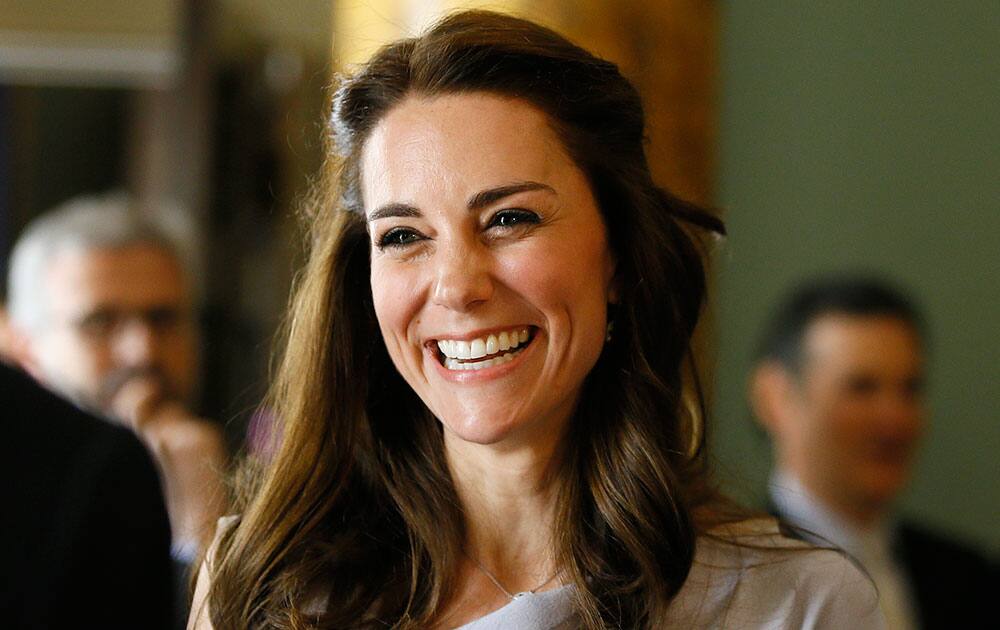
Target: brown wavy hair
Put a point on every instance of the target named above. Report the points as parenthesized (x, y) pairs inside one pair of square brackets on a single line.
[(355, 522)]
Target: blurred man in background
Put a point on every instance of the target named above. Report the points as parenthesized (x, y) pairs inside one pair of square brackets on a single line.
[(101, 310), (839, 386), (6, 338)]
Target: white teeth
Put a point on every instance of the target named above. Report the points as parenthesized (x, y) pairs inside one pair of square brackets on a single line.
[(452, 364), (483, 346), (477, 349)]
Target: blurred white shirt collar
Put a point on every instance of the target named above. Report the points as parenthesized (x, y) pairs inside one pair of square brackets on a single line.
[(871, 546)]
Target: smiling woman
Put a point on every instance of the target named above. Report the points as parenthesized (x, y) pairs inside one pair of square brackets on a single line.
[(496, 244), (484, 420)]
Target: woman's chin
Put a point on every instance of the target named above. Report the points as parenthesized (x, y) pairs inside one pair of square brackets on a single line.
[(505, 433), (484, 431)]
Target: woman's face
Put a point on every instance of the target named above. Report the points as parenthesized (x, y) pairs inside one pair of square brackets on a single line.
[(490, 267)]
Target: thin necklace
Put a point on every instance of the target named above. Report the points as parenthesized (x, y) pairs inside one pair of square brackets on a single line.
[(497, 583)]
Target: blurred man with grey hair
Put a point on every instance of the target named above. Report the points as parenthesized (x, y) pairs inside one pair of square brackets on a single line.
[(101, 310)]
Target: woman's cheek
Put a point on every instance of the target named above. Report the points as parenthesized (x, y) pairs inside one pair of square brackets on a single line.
[(534, 271), (394, 298)]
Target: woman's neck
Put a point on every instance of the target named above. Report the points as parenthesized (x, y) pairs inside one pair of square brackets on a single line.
[(509, 499)]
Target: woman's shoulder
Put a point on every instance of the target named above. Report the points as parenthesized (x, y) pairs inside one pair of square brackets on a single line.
[(199, 617), (749, 574), (222, 526)]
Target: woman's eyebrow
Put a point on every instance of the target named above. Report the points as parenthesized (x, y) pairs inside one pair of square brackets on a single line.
[(478, 201), (489, 196), (393, 210)]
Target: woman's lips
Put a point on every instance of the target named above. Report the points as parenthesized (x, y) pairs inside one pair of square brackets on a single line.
[(468, 352), (483, 357)]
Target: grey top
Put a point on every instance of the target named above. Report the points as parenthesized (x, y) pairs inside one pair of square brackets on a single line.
[(765, 581)]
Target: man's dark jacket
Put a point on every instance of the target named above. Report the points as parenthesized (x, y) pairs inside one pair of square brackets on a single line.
[(85, 536), (953, 585)]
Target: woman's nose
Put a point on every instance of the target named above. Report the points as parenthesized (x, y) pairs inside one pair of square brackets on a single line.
[(462, 277)]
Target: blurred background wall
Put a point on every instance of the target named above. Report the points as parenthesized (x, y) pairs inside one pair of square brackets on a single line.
[(668, 48), (866, 136)]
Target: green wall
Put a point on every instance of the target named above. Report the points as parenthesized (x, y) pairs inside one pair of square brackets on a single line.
[(866, 135)]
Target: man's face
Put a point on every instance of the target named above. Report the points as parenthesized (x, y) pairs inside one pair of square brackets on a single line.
[(859, 407), (112, 316)]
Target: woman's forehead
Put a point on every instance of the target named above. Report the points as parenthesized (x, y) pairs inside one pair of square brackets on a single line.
[(459, 142)]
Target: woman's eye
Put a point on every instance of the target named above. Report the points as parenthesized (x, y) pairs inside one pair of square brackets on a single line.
[(513, 218), (398, 237)]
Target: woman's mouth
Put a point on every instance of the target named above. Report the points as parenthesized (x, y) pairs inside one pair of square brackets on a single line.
[(484, 352)]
